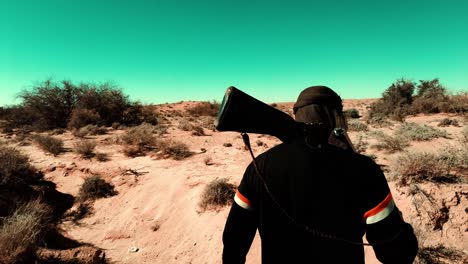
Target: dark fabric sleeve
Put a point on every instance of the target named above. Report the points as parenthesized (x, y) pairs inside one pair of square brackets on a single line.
[(238, 235), (393, 240), (241, 223)]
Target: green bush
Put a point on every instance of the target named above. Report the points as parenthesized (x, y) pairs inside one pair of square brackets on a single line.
[(218, 192), (395, 101), (95, 187), (49, 144), (413, 131), (49, 105)]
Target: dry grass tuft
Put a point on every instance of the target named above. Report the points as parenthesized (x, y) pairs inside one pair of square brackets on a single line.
[(14, 166), (204, 109), (439, 254), (21, 232), (49, 144), (95, 187), (413, 131), (217, 193), (355, 125), (388, 143), (174, 149), (85, 148)]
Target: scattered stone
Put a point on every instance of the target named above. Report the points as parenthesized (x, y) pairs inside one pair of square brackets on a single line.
[(133, 249), (52, 167)]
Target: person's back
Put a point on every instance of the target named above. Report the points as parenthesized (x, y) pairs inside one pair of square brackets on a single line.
[(312, 203)]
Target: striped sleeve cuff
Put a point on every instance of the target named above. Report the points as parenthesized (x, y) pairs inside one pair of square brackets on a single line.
[(381, 211), (242, 201)]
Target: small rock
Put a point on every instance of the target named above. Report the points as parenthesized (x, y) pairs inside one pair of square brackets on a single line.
[(51, 167), (133, 249), (65, 174), (70, 166)]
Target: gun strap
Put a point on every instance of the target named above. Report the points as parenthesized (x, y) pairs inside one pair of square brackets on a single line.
[(306, 228)]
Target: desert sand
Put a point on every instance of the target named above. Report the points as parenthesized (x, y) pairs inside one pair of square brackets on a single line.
[(155, 218)]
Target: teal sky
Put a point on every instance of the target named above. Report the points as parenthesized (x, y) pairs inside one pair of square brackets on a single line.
[(168, 51)]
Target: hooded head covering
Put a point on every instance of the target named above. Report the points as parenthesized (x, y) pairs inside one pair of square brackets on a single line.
[(321, 105)]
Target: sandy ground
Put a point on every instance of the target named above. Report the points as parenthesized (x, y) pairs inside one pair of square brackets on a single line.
[(166, 193)]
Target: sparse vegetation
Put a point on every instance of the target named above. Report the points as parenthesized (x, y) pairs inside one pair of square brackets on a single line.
[(218, 192), (355, 125), (389, 143), (413, 131), (448, 122), (352, 113), (20, 233), (174, 149), (439, 254), (49, 144), (95, 187), (416, 167), (138, 139), (85, 148), (48, 105), (204, 109), (89, 130), (14, 166), (101, 156)]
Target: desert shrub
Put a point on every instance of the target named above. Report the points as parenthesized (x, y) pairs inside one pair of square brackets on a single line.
[(204, 109), (81, 117), (218, 192), (51, 102), (174, 149), (185, 125), (198, 131), (15, 166), (89, 130), (101, 156), (415, 167), (95, 187), (21, 232), (133, 150), (379, 122), (207, 122), (57, 131), (431, 97), (352, 113), (85, 148), (49, 144), (360, 145), (83, 210), (355, 125), (137, 113), (458, 103), (141, 135), (49, 105), (464, 135), (388, 143), (395, 101), (448, 122), (439, 254), (413, 131)]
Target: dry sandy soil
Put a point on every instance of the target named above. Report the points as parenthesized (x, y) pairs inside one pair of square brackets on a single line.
[(156, 210)]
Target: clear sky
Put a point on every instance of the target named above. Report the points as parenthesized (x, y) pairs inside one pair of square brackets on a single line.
[(167, 51)]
